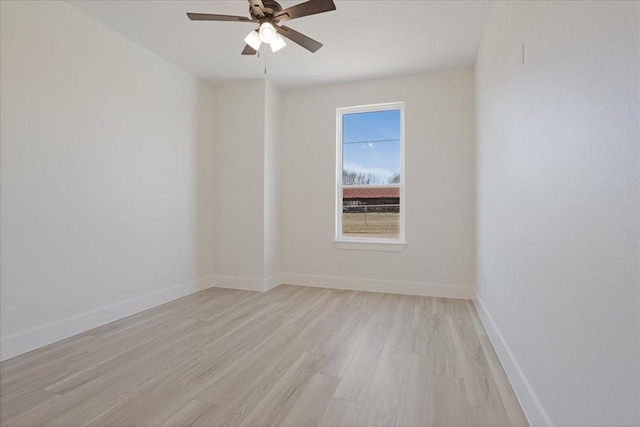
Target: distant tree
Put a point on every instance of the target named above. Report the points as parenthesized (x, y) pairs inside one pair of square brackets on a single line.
[(394, 179), (356, 178), (348, 177)]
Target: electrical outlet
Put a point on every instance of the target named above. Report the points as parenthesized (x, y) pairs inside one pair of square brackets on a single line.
[(339, 261), (174, 269), (484, 284)]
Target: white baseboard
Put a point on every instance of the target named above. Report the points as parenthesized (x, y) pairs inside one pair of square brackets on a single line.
[(23, 342), (272, 282), (531, 406), (386, 286), (247, 283)]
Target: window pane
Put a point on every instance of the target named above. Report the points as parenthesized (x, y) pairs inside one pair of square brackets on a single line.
[(371, 148), (371, 212)]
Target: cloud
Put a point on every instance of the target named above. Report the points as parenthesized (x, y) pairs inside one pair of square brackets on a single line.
[(358, 168)]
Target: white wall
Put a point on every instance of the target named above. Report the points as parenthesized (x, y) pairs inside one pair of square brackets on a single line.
[(106, 176), (558, 206), (246, 185), (239, 173), (439, 170), (272, 187)]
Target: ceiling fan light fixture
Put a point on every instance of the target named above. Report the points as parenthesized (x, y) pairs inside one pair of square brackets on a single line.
[(267, 32), (253, 40), (278, 43), (267, 14)]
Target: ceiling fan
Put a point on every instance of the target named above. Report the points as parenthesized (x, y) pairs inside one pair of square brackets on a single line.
[(268, 14)]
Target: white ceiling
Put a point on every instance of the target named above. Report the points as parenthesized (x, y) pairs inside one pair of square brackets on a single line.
[(362, 39)]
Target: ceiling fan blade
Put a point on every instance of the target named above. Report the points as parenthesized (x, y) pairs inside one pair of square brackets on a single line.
[(212, 17), (310, 7), (248, 50), (257, 7), (296, 37)]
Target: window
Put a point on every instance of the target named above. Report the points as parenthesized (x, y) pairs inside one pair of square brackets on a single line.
[(370, 174)]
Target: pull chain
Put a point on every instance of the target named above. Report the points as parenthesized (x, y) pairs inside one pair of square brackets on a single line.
[(265, 63)]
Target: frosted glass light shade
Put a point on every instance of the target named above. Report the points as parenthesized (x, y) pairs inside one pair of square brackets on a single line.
[(253, 40), (278, 43), (267, 32)]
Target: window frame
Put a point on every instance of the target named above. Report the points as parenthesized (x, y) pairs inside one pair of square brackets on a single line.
[(368, 243)]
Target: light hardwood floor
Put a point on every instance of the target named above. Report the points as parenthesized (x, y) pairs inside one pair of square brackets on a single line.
[(293, 356)]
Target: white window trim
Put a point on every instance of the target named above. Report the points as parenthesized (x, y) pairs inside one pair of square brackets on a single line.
[(381, 244)]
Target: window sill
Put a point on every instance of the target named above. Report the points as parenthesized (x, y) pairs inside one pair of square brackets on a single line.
[(369, 245)]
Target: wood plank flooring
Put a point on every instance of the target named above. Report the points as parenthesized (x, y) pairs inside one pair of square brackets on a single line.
[(293, 356)]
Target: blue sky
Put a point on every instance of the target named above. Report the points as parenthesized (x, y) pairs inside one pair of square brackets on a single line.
[(371, 143)]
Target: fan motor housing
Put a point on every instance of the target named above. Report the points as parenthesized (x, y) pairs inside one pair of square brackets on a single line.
[(270, 8)]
